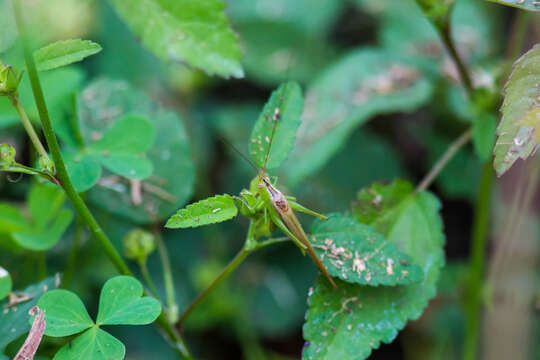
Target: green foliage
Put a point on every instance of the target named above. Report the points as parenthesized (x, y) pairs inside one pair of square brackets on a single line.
[(362, 84), (355, 253), (166, 27), (170, 155), (14, 317), (121, 149), (120, 304), (530, 5), (519, 129), (209, 211), (273, 134), (484, 135), (63, 53), (5, 283), (7, 156), (350, 322), (47, 223), (7, 24)]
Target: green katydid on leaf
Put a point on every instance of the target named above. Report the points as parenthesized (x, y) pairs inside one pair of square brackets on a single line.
[(63, 53), (209, 211), (352, 321), (519, 129), (355, 253), (120, 303), (180, 31)]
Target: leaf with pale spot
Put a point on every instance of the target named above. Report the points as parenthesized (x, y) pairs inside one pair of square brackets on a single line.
[(274, 132), (65, 313), (355, 253), (348, 323), (209, 211), (519, 129)]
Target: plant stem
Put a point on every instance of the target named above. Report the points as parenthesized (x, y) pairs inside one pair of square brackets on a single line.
[(475, 287), (72, 258), (172, 306), (148, 279), (29, 128), (68, 187), (446, 36), (444, 159)]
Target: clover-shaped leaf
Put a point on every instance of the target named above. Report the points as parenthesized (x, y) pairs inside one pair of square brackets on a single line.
[(121, 149), (120, 304)]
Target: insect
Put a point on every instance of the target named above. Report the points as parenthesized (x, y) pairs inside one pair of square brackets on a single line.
[(268, 207)]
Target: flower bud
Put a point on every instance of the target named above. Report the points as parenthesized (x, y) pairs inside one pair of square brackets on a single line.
[(138, 244), (46, 165), (9, 80), (7, 156)]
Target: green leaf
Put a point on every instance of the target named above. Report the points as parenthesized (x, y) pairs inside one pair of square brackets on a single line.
[(173, 176), (129, 166), (349, 322), (361, 85), (39, 239), (530, 5), (94, 344), (484, 135), (44, 200), (5, 283), (121, 303), (14, 319), (282, 112), (84, 170), (209, 211), (65, 313), (519, 129), (355, 253), (194, 32), (62, 53), (130, 134), (11, 219)]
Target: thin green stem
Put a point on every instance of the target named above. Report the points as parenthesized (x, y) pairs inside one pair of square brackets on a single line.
[(29, 128), (443, 160), (148, 279), (68, 187), (445, 32), (475, 287), (170, 295), (73, 254)]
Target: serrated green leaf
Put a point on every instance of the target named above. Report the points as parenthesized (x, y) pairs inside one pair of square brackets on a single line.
[(519, 129), (14, 319), (484, 135), (171, 183), (349, 322), (5, 283), (355, 253), (84, 170), (130, 134), (65, 313), (364, 83), (121, 303), (209, 211), (62, 53), (94, 344), (282, 112), (39, 239), (44, 200), (530, 5), (196, 33)]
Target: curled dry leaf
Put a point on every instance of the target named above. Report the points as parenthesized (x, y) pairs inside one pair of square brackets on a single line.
[(31, 344)]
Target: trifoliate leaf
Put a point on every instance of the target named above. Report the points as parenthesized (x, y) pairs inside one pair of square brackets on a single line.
[(519, 129), (355, 253), (93, 344), (62, 53), (282, 112), (348, 323), (209, 211)]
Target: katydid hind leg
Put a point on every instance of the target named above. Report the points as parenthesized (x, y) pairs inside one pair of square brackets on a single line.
[(279, 223), (298, 207)]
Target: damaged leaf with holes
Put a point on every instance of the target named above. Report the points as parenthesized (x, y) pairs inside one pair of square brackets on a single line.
[(348, 323), (355, 253), (519, 129)]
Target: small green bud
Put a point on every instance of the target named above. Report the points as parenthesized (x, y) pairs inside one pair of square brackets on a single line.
[(9, 80), (46, 165), (436, 10), (138, 244), (7, 156)]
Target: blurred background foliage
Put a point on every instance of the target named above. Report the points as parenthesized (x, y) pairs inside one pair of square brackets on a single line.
[(259, 312)]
